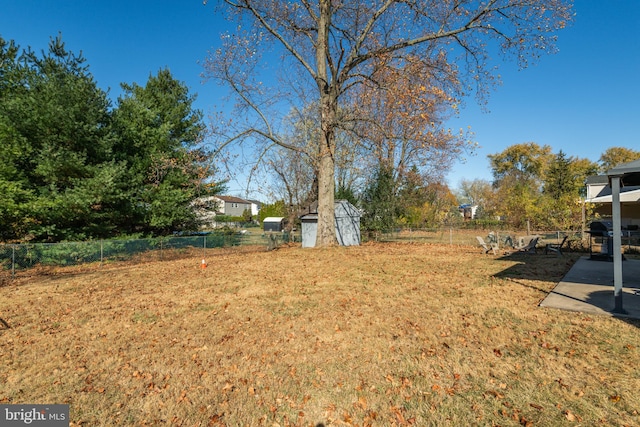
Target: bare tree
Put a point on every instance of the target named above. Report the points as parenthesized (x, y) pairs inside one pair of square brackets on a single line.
[(333, 46)]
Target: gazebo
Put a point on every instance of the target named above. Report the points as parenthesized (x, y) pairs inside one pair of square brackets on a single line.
[(627, 174)]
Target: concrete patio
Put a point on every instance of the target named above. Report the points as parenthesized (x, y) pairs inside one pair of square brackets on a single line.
[(588, 288)]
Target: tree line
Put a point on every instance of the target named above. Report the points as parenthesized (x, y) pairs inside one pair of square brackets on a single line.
[(531, 187), (73, 166)]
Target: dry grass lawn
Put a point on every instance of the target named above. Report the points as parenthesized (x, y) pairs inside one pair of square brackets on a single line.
[(378, 335)]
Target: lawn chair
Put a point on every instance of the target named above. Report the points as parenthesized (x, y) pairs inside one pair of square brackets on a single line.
[(555, 247), (491, 247), (529, 248)]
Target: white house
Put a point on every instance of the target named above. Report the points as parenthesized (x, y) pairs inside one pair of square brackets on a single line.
[(600, 194)]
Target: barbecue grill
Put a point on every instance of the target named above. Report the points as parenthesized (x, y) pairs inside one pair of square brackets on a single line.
[(601, 232)]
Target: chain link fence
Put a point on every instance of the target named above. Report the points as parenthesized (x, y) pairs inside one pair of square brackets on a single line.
[(20, 258), (577, 241), (17, 258)]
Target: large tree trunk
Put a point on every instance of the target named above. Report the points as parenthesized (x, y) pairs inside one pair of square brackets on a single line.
[(326, 234)]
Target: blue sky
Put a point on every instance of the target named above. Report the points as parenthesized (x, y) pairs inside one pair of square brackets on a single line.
[(581, 100)]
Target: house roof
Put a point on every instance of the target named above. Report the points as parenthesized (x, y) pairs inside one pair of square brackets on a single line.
[(232, 199), (597, 179)]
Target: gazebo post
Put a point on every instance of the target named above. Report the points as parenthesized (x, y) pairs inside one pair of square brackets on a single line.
[(617, 244)]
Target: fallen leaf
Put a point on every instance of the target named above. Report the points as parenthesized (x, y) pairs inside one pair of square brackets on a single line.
[(495, 394)]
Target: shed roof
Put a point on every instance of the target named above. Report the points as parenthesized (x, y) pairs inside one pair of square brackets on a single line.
[(273, 219)]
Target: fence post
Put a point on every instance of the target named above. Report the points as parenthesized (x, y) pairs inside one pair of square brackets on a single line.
[(13, 262), (101, 252)]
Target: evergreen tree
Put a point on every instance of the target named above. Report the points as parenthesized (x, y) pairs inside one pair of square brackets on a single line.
[(157, 133), (73, 169), (54, 138), (379, 202)]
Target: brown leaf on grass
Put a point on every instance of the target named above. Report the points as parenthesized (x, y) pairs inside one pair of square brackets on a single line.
[(570, 416), (495, 394), (497, 352), (183, 397), (536, 406), (525, 422), (615, 398), (215, 419), (361, 403)]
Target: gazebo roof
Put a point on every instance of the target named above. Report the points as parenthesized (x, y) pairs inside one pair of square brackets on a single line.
[(628, 172)]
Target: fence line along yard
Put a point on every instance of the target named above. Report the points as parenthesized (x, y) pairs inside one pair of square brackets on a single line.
[(21, 257), (15, 258)]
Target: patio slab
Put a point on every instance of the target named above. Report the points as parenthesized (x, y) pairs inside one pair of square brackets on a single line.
[(588, 288)]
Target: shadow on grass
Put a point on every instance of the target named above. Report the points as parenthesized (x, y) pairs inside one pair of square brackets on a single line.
[(575, 282), (536, 266)]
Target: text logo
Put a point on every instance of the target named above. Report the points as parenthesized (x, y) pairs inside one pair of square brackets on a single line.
[(34, 415)]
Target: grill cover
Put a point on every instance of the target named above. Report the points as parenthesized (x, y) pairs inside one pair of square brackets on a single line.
[(600, 228)]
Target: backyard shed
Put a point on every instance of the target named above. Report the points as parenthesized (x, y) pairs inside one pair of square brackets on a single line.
[(273, 223), (347, 222)]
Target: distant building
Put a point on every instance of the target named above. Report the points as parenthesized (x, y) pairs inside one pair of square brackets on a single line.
[(233, 206), (599, 193), (468, 211), (255, 208), (208, 207), (273, 223)]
